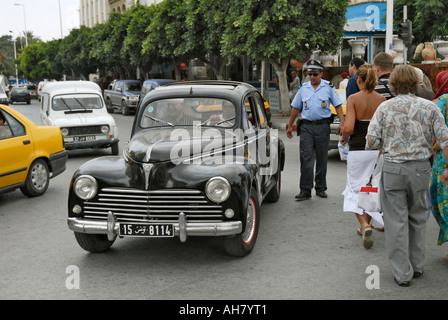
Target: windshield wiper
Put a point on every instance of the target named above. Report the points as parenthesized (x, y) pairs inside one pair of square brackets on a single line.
[(66, 104), (159, 120), (80, 104), (225, 120), (217, 123)]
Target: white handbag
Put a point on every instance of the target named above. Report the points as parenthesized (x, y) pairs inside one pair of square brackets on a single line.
[(369, 194)]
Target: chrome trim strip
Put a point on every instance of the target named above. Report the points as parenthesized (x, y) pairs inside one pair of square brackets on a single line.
[(190, 228)]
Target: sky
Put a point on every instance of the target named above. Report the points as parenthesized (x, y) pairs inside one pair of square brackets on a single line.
[(41, 17)]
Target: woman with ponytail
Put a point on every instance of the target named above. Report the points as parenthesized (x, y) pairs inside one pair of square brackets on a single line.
[(360, 108)]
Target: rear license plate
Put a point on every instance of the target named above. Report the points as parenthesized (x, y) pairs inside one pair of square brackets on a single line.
[(84, 138), (146, 230)]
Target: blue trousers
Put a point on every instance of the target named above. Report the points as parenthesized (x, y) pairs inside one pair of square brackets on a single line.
[(314, 140)]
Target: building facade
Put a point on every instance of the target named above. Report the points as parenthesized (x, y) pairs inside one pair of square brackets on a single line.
[(93, 12)]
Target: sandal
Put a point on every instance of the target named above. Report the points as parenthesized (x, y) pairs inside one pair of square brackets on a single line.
[(367, 240), (378, 229)]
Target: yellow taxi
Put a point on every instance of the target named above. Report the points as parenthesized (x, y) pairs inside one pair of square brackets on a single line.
[(30, 154)]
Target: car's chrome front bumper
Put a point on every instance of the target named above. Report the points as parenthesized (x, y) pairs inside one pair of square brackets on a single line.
[(182, 228)]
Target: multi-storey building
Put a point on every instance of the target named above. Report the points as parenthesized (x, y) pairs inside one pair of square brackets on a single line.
[(93, 12)]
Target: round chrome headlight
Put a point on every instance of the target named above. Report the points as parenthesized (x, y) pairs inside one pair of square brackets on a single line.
[(217, 189), (64, 132), (85, 187), (104, 129)]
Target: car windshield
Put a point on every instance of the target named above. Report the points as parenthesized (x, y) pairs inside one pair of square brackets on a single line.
[(1, 90), (132, 87), (76, 102), (188, 112)]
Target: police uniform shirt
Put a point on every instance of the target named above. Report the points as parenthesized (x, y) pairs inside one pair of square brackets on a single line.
[(315, 104)]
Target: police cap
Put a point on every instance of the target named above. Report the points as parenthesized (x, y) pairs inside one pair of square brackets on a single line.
[(314, 65)]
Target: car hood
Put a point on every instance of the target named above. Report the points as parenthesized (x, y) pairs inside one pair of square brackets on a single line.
[(81, 119), (176, 145)]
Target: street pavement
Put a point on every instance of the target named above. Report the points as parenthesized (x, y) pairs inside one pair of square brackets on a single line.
[(305, 250)]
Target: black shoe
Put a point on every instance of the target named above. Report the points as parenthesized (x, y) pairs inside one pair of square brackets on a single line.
[(402, 283), (321, 194), (303, 196), (417, 274)]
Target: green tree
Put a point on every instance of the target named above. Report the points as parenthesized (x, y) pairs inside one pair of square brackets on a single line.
[(278, 30), (38, 61), (74, 53), (167, 34), (107, 45), (429, 18), (206, 21), (140, 17)]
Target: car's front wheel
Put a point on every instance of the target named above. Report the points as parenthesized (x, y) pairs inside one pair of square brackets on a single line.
[(94, 243), (274, 194), (109, 107), (37, 180), (242, 244), (125, 109)]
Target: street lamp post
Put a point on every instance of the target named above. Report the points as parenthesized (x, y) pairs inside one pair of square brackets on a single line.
[(15, 58), (24, 19), (60, 19)]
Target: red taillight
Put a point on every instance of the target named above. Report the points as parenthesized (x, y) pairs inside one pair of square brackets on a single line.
[(28, 96)]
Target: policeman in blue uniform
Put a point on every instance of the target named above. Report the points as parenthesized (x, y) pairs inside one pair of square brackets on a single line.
[(313, 100)]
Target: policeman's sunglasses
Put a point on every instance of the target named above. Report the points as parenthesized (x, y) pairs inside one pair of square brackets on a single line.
[(313, 74)]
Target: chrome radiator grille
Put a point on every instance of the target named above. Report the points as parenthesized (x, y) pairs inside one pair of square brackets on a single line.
[(133, 205)]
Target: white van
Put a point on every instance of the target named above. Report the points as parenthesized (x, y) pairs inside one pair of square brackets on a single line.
[(78, 108), (3, 97)]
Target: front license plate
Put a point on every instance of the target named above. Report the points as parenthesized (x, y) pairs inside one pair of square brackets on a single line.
[(84, 138), (146, 230)]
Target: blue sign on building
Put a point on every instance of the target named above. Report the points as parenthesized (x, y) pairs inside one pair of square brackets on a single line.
[(367, 20)]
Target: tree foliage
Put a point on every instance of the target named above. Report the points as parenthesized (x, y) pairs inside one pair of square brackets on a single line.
[(278, 30), (429, 18)]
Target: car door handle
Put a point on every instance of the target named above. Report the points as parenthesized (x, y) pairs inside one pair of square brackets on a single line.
[(26, 141)]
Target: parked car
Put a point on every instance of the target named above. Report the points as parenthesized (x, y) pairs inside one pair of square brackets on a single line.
[(3, 97), (78, 109), (204, 173), (31, 155), (123, 95), (32, 89), (334, 137), (19, 94)]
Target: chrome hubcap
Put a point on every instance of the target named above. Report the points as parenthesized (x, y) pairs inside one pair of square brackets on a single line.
[(250, 222), (39, 176)]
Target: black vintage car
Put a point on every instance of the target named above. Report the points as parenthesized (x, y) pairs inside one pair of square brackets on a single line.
[(200, 162)]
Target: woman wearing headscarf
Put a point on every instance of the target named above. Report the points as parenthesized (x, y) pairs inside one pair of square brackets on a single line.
[(438, 192)]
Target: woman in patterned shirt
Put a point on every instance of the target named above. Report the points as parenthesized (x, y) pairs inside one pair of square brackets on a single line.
[(402, 128)]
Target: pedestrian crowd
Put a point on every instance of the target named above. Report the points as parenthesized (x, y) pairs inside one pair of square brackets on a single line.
[(391, 120)]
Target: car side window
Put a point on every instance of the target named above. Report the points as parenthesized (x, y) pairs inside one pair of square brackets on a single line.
[(259, 105), (251, 111), (44, 103), (12, 127)]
